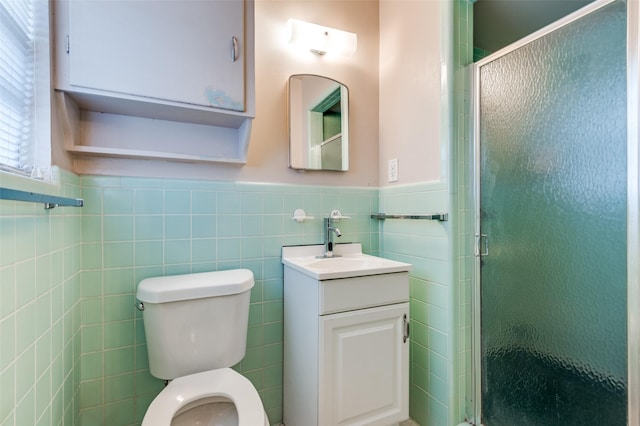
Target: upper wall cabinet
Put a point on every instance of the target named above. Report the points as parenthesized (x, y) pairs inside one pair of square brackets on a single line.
[(186, 61)]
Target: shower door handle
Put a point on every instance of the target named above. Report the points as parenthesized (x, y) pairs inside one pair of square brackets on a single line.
[(482, 245)]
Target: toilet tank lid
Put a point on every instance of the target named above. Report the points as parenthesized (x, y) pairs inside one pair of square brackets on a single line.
[(194, 286)]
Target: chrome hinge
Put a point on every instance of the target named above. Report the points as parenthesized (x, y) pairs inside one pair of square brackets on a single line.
[(66, 44), (405, 322)]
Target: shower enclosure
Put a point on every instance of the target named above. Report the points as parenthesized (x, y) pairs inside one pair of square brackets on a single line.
[(556, 219)]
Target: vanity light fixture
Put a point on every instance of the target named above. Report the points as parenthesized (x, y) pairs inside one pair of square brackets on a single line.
[(321, 40)]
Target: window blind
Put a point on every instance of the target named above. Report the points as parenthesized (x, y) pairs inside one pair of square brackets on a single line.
[(17, 88)]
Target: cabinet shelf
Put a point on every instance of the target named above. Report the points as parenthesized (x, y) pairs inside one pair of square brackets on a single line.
[(151, 155), (215, 139), (159, 109)]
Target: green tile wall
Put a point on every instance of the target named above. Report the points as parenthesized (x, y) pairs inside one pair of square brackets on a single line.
[(135, 228), (462, 203), (73, 348), (40, 282), (426, 245)]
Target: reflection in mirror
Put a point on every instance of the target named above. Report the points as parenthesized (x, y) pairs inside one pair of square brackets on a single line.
[(318, 123)]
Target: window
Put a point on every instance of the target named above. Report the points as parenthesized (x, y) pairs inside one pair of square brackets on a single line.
[(25, 87)]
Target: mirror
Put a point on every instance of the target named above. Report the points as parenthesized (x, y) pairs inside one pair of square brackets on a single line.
[(318, 123)]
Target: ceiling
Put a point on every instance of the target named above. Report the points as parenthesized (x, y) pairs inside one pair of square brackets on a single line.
[(497, 23)]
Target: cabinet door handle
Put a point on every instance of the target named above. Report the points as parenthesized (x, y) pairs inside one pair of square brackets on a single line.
[(405, 322), (234, 48)]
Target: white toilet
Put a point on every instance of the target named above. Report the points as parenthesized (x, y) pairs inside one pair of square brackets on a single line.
[(196, 328)]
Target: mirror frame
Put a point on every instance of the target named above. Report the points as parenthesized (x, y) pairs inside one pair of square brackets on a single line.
[(292, 116)]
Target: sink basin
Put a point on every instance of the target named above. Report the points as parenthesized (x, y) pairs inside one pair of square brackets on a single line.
[(349, 262)]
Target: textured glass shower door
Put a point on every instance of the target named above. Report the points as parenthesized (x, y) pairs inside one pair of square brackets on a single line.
[(552, 160)]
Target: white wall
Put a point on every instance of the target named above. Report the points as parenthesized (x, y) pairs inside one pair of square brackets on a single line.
[(412, 90), (416, 98)]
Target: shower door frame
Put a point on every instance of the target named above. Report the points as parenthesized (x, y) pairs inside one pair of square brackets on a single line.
[(633, 206)]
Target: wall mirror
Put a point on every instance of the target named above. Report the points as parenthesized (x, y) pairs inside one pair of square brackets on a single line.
[(318, 123)]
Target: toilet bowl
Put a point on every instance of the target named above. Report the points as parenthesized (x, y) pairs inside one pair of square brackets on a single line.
[(196, 328), (222, 394)]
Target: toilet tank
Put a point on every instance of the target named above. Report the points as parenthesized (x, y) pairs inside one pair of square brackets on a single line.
[(195, 322)]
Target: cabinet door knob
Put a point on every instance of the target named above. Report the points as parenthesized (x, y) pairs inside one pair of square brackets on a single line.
[(234, 48)]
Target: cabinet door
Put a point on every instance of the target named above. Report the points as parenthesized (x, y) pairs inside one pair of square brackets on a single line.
[(364, 367), (170, 50)]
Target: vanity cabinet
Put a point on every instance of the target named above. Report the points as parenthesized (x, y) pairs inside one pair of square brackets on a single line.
[(190, 62), (346, 349)]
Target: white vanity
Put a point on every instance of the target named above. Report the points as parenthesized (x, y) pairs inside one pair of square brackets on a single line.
[(346, 329)]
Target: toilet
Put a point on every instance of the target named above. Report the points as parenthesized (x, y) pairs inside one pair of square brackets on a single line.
[(196, 328)]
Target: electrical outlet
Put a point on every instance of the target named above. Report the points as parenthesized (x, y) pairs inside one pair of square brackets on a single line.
[(393, 170)]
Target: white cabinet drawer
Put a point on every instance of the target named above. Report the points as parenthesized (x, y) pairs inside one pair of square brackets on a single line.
[(348, 294)]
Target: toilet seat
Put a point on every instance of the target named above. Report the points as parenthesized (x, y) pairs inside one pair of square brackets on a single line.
[(223, 382)]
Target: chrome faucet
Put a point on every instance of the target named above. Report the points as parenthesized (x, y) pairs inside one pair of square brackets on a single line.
[(328, 242)]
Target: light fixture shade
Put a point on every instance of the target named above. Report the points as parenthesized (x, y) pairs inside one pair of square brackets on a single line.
[(321, 40)]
